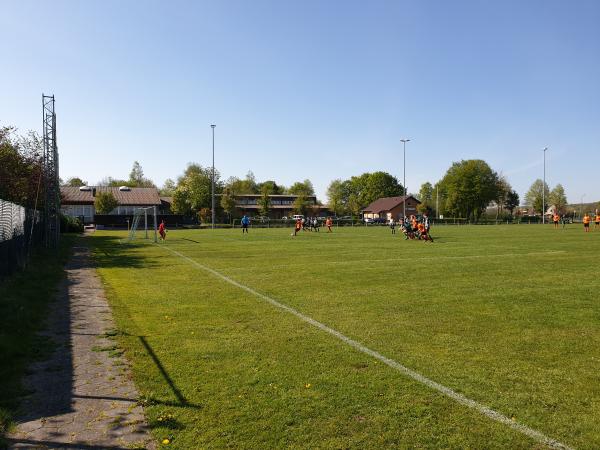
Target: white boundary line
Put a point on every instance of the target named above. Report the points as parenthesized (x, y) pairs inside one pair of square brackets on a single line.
[(460, 398)]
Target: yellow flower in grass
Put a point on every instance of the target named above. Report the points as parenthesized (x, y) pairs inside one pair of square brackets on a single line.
[(166, 442), (307, 385)]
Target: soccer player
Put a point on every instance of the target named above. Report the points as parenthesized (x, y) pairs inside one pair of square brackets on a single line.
[(297, 226), (393, 225), (586, 222), (597, 220), (328, 224), (245, 223), (555, 219), (162, 230), (316, 224), (423, 232)]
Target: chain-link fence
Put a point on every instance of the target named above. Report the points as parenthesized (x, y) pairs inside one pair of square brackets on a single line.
[(20, 231)]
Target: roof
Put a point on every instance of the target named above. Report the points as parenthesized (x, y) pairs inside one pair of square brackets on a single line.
[(133, 196), (387, 203)]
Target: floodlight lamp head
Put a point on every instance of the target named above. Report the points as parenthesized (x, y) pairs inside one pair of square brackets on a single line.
[(212, 126), (545, 148)]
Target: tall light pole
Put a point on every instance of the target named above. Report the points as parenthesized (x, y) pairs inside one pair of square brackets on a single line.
[(581, 210), (404, 141), (544, 190), (213, 176)]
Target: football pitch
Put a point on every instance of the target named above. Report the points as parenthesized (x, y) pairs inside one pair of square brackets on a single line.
[(487, 338)]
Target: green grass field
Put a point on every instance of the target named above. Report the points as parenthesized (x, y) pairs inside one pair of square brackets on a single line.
[(508, 316)]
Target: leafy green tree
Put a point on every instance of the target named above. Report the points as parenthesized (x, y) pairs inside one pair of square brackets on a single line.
[(168, 188), (426, 198), (21, 168), (469, 186), (136, 177), (511, 201), (558, 198), (264, 202), (75, 182), (534, 196), (274, 188), (228, 201), (368, 187), (301, 204), (336, 195), (105, 202), (304, 188), (354, 205), (194, 190)]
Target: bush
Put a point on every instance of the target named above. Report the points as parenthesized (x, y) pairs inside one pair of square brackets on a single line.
[(70, 224)]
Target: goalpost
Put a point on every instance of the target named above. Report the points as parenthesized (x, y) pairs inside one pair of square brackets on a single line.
[(141, 215)]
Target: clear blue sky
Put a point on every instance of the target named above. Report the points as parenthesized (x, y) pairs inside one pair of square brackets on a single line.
[(311, 89)]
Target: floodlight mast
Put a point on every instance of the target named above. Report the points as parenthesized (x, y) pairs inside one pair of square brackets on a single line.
[(52, 203), (404, 141), (213, 176)]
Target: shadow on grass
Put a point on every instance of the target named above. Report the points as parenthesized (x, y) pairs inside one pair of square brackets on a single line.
[(109, 252)]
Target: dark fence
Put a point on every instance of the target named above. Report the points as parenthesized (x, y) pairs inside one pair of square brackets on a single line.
[(21, 231)]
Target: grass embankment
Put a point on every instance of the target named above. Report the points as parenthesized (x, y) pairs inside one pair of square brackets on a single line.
[(506, 315), (24, 300)]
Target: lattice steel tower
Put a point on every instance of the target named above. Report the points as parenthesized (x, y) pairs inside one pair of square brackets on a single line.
[(52, 203)]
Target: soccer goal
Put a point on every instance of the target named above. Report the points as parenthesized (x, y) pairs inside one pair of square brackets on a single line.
[(144, 221)]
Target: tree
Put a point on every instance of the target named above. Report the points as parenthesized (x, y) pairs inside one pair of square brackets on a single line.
[(228, 201), (558, 198), (115, 182), (469, 186), (105, 202), (354, 205), (336, 197), (301, 205), (304, 188), (264, 202), (21, 168), (426, 198), (534, 196), (168, 188), (194, 190), (368, 187), (275, 188), (75, 182), (511, 201), (136, 177)]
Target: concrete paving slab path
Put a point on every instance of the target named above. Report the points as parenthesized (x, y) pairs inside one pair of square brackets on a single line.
[(82, 397)]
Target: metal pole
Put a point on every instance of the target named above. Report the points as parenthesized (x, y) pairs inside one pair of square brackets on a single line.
[(581, 210), (146, 222), (404, 141), (213, 176), (155, 236), (544, 190), (437, 201)]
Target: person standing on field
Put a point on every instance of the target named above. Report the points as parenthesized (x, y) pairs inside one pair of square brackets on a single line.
[(393, 225), (245, 223), (586, 222), (597, 220), (162, 230), (328, 224), (555, 219)]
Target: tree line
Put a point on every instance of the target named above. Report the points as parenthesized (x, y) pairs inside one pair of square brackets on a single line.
[(467, 189)]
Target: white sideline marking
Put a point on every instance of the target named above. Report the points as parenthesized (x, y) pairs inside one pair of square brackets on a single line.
[(460, 398)]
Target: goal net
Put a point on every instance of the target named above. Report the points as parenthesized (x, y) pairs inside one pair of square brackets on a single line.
[(144, 224)]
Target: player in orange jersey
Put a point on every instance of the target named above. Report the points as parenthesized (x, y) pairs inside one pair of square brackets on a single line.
[(586, 222), (556, 219), (597, 220), (328, 224)]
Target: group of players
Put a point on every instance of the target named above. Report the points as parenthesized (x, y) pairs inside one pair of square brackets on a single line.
[(311, 224), (413, 228), (587, 220)]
